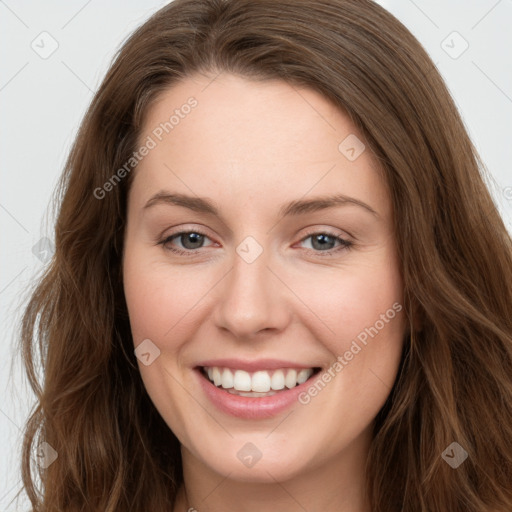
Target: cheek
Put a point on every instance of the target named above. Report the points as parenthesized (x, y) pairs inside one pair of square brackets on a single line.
[(350, 301), (160, 304), (160, 298), (363, 310), (365, 355)]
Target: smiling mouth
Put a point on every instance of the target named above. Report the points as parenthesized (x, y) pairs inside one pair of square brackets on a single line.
[(261, 383)]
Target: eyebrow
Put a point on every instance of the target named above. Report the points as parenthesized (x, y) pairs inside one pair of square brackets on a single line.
[(293, 208)]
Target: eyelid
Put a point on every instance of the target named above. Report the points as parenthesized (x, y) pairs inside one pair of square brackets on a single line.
[(344, 242), (310, 230), (328, 230), (183, 228)]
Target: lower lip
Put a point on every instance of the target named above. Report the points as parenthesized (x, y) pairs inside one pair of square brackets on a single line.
[(250, 407)]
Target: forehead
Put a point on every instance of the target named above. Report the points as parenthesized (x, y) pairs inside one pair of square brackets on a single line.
[(231, 137)]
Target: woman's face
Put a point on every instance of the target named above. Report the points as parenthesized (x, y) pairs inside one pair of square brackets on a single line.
[(238, 260)]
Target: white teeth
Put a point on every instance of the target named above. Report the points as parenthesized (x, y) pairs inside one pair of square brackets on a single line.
[(242, 381), (217, 379), (277, 381), (303, 376), (261, 381), (291, 379), (227, 378)]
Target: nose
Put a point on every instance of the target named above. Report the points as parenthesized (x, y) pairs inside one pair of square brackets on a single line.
[(252, 299)]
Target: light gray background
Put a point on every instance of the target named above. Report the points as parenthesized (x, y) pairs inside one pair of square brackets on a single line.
[(42, 101)]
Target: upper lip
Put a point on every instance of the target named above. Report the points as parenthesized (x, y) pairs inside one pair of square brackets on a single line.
[(254, 365)]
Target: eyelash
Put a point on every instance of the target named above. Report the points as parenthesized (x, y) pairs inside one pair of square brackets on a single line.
[(345, 244)]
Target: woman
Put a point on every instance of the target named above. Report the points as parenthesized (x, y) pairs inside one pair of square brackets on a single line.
[(263, 369)]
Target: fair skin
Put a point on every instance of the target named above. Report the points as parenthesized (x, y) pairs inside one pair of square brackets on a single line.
[(251, 147)]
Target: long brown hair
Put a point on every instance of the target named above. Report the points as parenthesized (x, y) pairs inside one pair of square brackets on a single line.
[(115, 453)]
